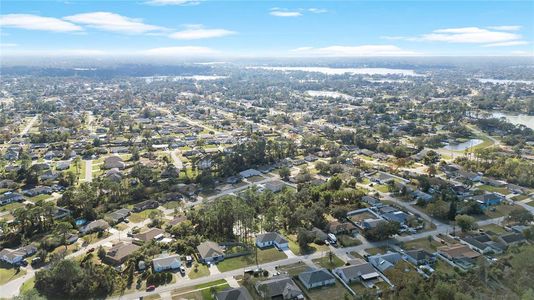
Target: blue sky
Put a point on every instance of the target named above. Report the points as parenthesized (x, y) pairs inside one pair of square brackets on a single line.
[(266, 28)]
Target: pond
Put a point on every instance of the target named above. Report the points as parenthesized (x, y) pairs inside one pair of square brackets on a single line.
[(80, 222), (341, 71), (516, 119), (465, 145)]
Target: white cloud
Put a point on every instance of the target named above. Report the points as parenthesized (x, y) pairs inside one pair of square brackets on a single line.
[(195, 32), (34, 22), (317, 10), (522, 53), (173, 2), (507, 44), (506, 28), (353, 51), (182, 51), (284, 13), (8, 45), (470, 35), (113, 22)]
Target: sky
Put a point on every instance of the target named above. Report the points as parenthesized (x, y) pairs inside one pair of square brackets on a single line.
[(214, 28)]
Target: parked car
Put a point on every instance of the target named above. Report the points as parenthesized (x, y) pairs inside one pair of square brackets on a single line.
[(150, 288)]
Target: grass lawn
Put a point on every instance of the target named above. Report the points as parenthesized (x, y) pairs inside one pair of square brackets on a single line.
[(11, 206), (93, 237), (500, 211), (335, 291), (489, 188), (381, 188), (294, 269), (201, 271), (28, 285), (39, 198), (312, 248), (444, 267), (494, 228), (348, 241), (423, 243), (8, 273), (201, 291), (264, 256), (172, 204), (520, 197), (355, 254), (140, 216), (374, 251), (325, 262), (531, 203)]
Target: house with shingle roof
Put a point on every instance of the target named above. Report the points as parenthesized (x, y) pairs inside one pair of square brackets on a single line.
[(279, 287), (210, 252), (269, 239), (120, 252), (240, 293), (316, 278), (166, 262), (357, 273)]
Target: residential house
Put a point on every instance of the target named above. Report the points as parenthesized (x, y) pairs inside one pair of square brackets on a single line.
[(357, 273), (511, 239), (249, 173), (419, 257), (460, 254), (482, 243), (316, 278), (151, 234), (148, 204), (337, 227), (272, 239), (38, 190), (15, 256), (240, 293), (488, 199), (114, 162), (210, 252), (274, 186), (10, 198), (279, 287), (386, 261), (166, 262), (119, 215), (94, 226), (120, 252)]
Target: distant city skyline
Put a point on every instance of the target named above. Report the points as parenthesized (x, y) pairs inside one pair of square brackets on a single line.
[(191, 28)]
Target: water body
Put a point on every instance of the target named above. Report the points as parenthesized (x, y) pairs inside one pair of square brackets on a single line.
[(503, 81), (329, 94), (464, 145), (341, 71), (177, 78), (516, 119)]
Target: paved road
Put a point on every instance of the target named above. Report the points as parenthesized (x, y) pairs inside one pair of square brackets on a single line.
[(176, 160), (88, 170), (29, 125)]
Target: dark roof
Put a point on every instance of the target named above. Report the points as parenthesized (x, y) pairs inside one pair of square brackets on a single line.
[(240, 293), (418, 254), (271, 237), (279, 286), (512, 238), (314, 276), (355, 271)]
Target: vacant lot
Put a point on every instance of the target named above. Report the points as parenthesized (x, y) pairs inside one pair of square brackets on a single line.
[(424, 243), (329, 263), (200, 271), (264, 256), (7, 273), (201, 291), (336, 291)]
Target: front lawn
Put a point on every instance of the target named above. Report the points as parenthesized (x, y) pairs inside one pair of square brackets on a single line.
[(8, 273), (493, 189), (200, 271), (348, 241), (312, 248), (381, 188), (325, 262), (140, 216), (424, 243), (335, 291), (264, 256)]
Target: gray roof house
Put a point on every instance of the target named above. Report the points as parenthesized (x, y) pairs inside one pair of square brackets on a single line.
[(119, 215), (386, 261), (249, 173), (114, 162), (357, 273), (316, 278), (271, 239), (210, 252), (166, 262), (239, 293), (279, 287), (96, 225)]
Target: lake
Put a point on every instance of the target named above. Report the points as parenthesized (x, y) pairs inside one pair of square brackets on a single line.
[(503, 81), (329, 94), (341, 71), (516, 119), (177, 78), (464, 145)]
